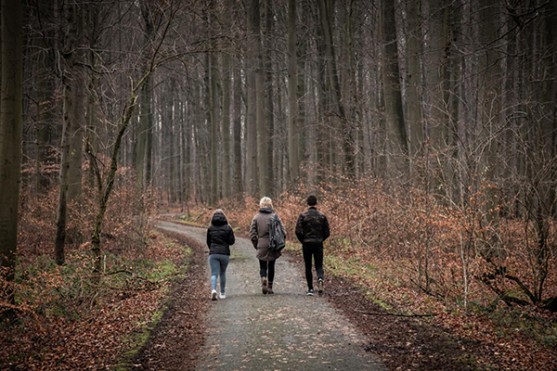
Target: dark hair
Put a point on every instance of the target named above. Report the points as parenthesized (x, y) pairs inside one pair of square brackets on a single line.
[(312, 200)]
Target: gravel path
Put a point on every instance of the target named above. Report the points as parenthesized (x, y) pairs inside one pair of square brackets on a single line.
[(284, 331)]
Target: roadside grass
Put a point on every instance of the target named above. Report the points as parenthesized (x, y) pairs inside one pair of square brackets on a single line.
[(531, 324), (135, 341), (196, 218), (358, 271)]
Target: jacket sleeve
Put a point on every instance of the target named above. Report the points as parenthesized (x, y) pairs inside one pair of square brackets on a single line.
[(326, 229), (253, 232), (299, 229), (209, 237), (231, 238)]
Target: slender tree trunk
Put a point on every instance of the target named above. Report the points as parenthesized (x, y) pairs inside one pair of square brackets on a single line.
[(48, 113), (93, 121), (225, 123), (213, 109), (143, 146), (264, 88), (413, 95), (60, 239), (302, 94), (183, 151), (321, 126), (237, 121), (105, 188), (293, 130), (252, 94), (73, 80)]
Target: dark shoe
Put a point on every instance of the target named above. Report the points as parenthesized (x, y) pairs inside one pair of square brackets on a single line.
[(320, 286), (264, 288), (270, 288), (310, 292)]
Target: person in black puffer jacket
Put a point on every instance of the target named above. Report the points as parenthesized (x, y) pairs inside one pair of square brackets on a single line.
[(312, 229), (219, 238)]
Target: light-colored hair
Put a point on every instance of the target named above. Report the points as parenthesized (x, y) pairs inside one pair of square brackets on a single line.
[(219, 211), (266, 202)]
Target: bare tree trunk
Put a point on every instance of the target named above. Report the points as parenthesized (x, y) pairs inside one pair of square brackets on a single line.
[(48, 90), (302, 94), (93, 110), (326, 12), (413, 95), (435, 109), (60, 239), (396, 127), (252, 95), (213, 107), (264, 88), (293, 131), (144, 142), (174, 143), (238, 185), (188, 163), (105, 188), (225, 123), (74, 81), (183, 147), (11, 98)]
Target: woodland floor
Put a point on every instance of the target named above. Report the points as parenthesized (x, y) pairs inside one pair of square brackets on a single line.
[(401, 342)]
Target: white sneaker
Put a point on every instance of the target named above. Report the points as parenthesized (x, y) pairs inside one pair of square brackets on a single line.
[(222, 295), (214, 295)]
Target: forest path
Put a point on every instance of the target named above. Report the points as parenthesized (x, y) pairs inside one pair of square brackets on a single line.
[(284, 331)]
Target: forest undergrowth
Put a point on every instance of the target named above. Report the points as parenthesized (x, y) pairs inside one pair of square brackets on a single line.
[(410, 255), (63, 319)]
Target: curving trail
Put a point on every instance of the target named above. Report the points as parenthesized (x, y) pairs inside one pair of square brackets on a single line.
[(284, 331)]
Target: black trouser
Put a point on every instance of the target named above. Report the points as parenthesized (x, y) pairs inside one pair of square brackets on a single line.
[(267, 269), (315, 250)]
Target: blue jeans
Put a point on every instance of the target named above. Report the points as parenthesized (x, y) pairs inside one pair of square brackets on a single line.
[(218, 264)]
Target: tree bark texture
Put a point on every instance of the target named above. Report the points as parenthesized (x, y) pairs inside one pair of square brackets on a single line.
[(11, 124), (397, 140)]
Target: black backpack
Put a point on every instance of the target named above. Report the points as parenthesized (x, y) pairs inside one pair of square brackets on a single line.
[(277, 235)]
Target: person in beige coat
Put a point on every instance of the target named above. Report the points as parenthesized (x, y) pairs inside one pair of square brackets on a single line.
[(259, 236)]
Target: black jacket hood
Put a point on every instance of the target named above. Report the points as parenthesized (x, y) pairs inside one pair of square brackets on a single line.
[(219, 219)]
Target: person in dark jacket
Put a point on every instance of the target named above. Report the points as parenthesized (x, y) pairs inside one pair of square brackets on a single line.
[(312, 229), (259, 236), (219, 238)]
